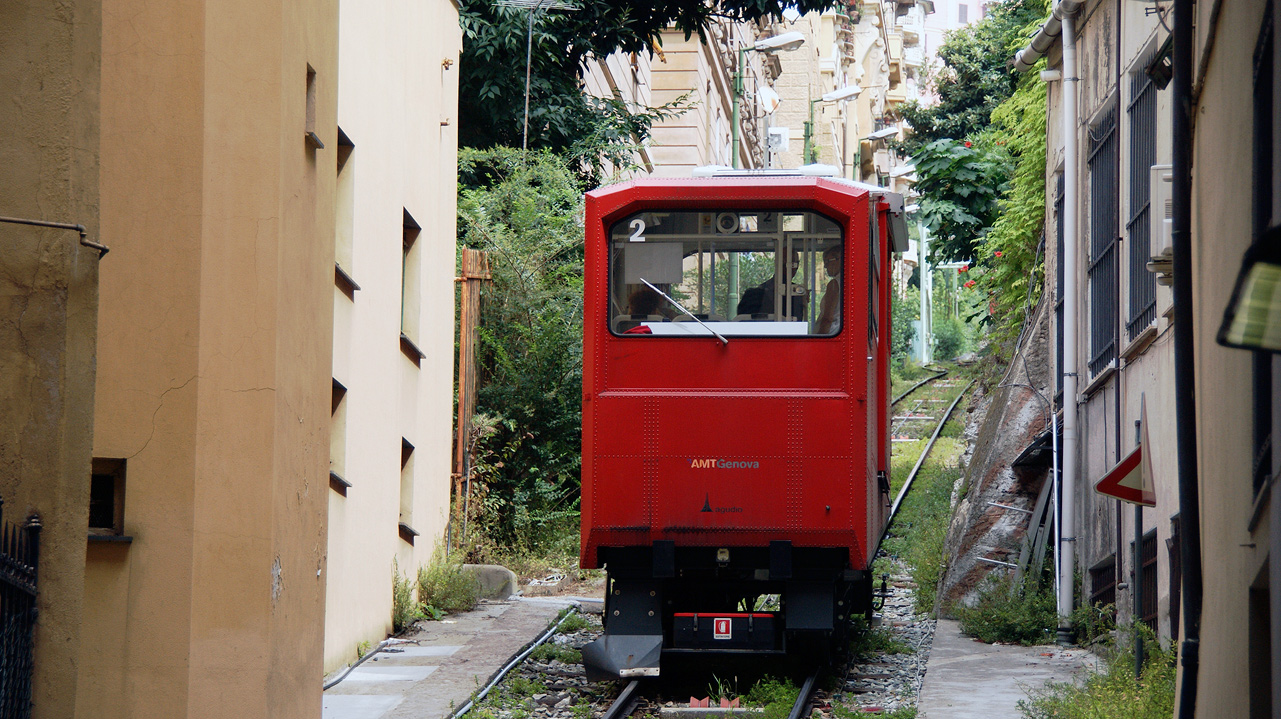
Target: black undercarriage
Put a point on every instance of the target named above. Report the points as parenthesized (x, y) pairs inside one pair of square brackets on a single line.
[(664, 601)]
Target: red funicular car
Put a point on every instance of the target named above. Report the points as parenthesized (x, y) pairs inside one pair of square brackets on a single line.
[(735, 408)]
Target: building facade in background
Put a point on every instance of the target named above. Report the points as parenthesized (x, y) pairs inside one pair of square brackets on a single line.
[(703, 74), (1126, 320)]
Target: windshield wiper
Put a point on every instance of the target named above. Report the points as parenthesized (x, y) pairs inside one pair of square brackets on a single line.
[(678, 306)]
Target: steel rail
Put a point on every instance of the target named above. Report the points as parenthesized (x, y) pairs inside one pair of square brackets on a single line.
[(803, 699), (624, 704), (916, 386), (902, 493), (512, 663)]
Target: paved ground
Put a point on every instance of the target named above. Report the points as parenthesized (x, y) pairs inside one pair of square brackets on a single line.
[(966, 679), (450, 660)]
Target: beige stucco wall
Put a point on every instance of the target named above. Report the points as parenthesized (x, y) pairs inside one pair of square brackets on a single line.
[(1235, 555), (48, 318), (398, 85), (214, 360)]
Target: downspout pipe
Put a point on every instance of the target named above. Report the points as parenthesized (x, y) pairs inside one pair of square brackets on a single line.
[(1062, 26), (1046, 36), (1184, 360), (1071, 203)]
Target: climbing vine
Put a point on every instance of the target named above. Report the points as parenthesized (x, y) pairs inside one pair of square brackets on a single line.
[(1011, 249)]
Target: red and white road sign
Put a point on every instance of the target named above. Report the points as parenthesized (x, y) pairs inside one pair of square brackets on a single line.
[(721, 628), (1131, 479)]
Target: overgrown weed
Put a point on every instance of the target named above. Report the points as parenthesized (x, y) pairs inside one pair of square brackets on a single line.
[(1114, 692), (404, 610), (548, 651), (870, 641), (775, 696), (920, 529), (444, 586), (1022, 613)]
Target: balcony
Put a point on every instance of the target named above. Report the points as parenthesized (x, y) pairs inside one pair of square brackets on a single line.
[(911, 24)]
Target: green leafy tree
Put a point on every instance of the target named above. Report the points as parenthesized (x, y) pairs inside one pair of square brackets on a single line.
[(1011, 249), (975, 76), (525, 210), (561, 116), (903, 312), (959, 182)]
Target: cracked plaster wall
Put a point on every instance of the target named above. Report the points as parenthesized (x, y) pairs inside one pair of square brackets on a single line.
[(48, 302), (214, 360)]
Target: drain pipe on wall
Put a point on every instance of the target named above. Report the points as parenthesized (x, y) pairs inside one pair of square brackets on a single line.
[(1184, 361), (1061, 25)]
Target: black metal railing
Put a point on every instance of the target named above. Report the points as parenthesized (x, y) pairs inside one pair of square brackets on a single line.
[(19, 559), (1142, 112), (1102, 272)]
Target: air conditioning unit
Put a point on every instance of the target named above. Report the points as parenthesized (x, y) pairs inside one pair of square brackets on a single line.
[(1161, 216)]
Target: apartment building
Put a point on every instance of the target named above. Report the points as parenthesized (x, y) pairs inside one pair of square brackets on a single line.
[(213, 538), (704, 74), (1107, 214)]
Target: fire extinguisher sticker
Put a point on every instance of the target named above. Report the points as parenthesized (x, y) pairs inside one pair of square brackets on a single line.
[(721, 628)]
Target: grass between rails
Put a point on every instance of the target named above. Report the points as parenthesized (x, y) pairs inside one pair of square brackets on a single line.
[(920, 529)]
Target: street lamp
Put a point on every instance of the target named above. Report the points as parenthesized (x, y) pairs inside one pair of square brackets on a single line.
[(882, 134), (848, 92), (786, 42)]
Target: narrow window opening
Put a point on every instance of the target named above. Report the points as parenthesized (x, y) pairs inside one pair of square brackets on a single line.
[(1142, 114), (344, 216), (338, 441), (1104, 211), (309, 130), (407, 531), (410, 288), (107, 497)]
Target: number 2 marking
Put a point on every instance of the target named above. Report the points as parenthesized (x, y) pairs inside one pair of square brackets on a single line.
[(638, 227)]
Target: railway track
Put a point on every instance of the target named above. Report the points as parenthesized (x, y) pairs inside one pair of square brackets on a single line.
[(550, 684), (924, 412)]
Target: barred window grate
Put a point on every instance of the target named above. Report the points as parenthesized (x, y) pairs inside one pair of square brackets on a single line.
[(1102, 272), (1143, 118)]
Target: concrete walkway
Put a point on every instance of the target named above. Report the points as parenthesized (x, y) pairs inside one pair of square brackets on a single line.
[(966, 679), (451, 659)]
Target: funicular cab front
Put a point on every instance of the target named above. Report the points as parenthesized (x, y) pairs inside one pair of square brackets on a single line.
[(734, 404)]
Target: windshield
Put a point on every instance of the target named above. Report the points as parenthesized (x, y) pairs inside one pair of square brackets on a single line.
[(741, 273)]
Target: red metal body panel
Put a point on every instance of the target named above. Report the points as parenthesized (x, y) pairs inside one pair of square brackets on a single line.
[(802, 421)]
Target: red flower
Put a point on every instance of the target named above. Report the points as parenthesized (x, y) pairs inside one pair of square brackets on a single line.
[(963, 268), (998, 253), (967, 143), (969, 284)]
